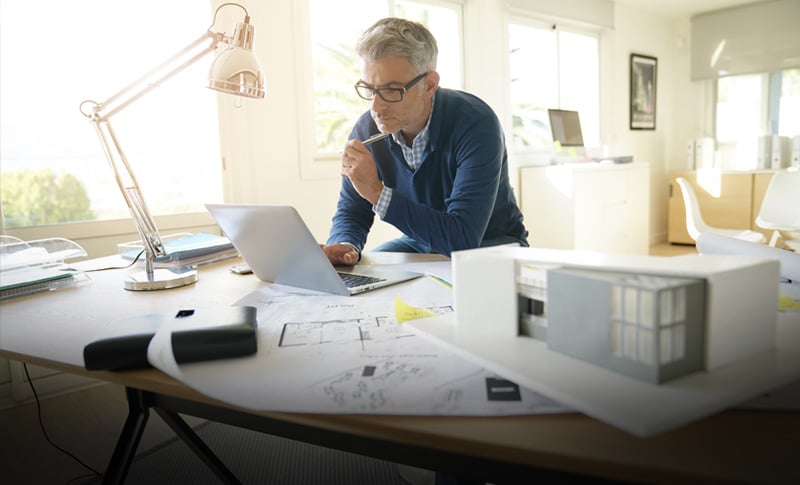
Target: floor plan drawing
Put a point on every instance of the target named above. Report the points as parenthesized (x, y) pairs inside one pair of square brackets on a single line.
[(330, 354), (355, 330)]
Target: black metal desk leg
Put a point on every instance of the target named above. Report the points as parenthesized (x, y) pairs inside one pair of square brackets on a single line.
[(187, 434), (128, 441)]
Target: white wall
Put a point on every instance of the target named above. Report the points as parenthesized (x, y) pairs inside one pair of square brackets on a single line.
[(684, 108), (693, 110), (641, 33)]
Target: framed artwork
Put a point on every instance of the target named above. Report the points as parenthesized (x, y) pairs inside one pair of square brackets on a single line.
[(644, 78)]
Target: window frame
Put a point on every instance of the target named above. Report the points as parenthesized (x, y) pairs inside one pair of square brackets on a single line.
[(531, 19), (769, 98)]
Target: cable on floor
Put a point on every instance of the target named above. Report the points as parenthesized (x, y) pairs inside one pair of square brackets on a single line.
[(44, 431)]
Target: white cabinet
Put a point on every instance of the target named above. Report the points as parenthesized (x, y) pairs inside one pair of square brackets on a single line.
[(588, 206)]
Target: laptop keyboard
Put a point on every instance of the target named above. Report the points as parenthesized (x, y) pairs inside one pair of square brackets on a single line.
[(355, 280)]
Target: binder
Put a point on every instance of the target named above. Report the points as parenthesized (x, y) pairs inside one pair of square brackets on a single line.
[(781, 152), (199, 335), (795, 152), (704, 153), (764, 154), (184, 250)]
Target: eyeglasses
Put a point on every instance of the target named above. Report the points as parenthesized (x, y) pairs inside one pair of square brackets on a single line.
[(390, 95)]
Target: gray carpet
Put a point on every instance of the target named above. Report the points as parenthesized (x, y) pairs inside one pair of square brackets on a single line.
[(256, 458)]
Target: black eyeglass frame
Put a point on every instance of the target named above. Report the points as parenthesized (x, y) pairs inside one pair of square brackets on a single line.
[(379, 91)]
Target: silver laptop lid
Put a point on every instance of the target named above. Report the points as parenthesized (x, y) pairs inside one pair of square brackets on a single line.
[(278, 246)]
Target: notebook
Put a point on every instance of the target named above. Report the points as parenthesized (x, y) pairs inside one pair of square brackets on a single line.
[(278, 246)]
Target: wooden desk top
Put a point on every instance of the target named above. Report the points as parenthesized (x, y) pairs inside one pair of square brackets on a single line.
[(737, 445)]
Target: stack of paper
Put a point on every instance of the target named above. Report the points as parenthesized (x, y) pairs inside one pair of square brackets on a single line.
[(31, 266)]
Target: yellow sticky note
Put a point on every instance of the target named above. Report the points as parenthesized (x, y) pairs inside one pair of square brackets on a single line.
[(787, 304), (405, 312)]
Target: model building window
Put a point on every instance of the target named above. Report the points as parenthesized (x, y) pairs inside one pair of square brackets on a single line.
[(646, 325)]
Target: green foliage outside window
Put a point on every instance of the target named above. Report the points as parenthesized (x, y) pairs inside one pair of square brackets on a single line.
[(35, 197)]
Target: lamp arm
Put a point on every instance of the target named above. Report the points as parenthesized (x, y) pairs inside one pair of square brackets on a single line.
[(106, 109), (129, 187), (100, 115)]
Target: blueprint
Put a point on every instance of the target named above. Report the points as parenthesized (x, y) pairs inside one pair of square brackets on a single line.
[(331, 354)]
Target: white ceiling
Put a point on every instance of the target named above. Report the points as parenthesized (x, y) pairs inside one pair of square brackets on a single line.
[(682, 8)]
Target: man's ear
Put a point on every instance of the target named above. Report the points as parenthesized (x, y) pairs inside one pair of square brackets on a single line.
[(432, 81)]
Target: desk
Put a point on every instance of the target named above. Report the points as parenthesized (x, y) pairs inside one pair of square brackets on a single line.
[(737, 445)]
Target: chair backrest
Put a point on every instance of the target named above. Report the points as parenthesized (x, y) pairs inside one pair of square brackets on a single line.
[(780, 208), (695, 224)]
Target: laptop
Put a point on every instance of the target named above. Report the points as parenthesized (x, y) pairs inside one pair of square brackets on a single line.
[(278, 246), (565, 126)]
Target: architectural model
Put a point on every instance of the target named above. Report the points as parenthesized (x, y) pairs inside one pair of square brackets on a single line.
[(650, 318), (644, 326)]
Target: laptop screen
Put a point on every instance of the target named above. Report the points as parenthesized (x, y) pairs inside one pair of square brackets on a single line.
[(566, 127)]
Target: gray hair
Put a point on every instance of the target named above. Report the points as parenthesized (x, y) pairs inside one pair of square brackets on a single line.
[(396, 37)]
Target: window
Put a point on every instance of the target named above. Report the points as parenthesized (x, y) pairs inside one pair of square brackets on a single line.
[(750, 106), (53, 166), (334, 30), (551, 67), (788, 102)]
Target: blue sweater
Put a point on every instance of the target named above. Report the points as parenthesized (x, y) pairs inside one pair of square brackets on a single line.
[(459, 196)]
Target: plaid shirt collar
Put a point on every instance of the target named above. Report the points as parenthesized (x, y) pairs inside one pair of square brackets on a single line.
[(414, 155)]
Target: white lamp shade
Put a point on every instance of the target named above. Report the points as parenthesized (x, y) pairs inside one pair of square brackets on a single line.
[(236, 69)]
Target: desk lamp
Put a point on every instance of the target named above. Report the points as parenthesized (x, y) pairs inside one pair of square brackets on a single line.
[(235, 70)]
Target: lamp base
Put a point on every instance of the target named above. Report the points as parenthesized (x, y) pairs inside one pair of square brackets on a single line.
[(161, 279)]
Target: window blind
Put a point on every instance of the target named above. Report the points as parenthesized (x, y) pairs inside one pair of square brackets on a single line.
[(757, 37)]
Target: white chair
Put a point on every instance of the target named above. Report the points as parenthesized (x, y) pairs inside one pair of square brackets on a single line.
[(780, 208), (695, 224)]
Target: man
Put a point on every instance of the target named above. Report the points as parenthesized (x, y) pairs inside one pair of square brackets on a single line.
[(441, 178)]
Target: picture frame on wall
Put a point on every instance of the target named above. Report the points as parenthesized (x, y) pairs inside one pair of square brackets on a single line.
[(643, 84)]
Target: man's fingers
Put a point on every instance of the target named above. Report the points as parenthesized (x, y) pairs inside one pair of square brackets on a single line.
[(350, 257), (341, 254)]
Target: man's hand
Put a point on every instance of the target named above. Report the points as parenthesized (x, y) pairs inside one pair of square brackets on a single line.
[(341, 254), (359, 166)]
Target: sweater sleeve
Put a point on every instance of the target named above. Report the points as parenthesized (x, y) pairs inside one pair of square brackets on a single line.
[(475, 158), (353, 218)]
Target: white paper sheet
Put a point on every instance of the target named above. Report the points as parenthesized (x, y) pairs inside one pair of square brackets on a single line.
[(330, 354)]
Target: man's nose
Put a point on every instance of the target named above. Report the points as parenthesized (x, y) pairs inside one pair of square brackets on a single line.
[(378, 103)]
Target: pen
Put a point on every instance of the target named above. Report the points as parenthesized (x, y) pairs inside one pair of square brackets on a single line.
[(373, 139), (440, 280)]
